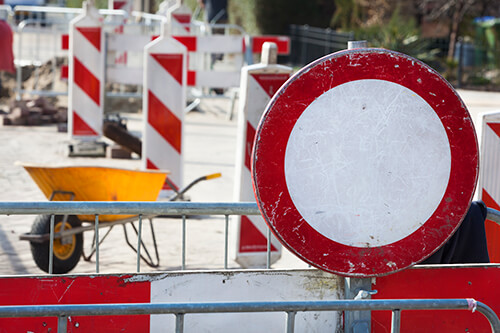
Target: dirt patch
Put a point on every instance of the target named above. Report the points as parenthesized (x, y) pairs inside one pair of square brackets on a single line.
[(47, 77)]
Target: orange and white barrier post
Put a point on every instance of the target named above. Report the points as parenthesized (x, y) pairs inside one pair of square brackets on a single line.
[(86, 68), (259, 83), (489, 182), (164, 99)]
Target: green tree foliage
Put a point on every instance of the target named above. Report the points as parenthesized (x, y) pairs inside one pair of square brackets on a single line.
[(347, 15), (242, 13), (401, 34), (275, 16), (394, 35), (78, 3)]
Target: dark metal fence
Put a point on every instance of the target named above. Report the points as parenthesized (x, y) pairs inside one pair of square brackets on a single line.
[(310, 43)]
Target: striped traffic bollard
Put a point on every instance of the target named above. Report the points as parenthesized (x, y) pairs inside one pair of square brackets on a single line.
[(121, 58), (164, 99), (259, 82), (86, 87), (126, 5), (180, 19), (489, 181)]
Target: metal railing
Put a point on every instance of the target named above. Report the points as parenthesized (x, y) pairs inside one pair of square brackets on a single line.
[(62, 312), (311, 43), (49, 23), (186, 209), (141, 209), (45, 26)]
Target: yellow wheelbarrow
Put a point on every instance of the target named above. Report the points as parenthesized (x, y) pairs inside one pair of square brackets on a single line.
[(91, 183)]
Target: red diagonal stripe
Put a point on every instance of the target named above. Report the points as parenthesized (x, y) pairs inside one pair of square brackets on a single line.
[(172, 63), (65, 42), (184, 20), (492, 229), (64, 72), (249, 144), (87, 81), (80, 127), (164, 122), (270, 83), (191, 78), (119, 4), (495, 127), (251, 239), (93, 35), (151, 165), (489, 201), (187, 41)]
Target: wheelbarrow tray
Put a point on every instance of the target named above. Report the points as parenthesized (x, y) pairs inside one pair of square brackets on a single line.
[(94, 183)]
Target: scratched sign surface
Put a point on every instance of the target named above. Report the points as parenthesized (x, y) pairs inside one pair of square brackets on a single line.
[(365, 162)]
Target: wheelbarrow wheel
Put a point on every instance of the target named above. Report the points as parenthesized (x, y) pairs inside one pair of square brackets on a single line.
[(67, 253)]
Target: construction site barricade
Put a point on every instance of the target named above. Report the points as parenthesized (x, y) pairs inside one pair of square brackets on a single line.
[(489, 182), (180, 19), (304, 294), (38, 42), (86, 88), (163, 106), (259, 82), (125, 64)]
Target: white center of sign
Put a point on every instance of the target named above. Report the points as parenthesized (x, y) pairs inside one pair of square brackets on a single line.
[(367, 163)]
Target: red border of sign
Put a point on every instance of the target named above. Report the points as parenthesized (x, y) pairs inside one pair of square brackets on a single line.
[(268, 160)]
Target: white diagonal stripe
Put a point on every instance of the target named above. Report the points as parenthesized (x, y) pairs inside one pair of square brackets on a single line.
[(491, 159), (259, 99), (87, 109), (165, 88), (162, 154), (87, 54)]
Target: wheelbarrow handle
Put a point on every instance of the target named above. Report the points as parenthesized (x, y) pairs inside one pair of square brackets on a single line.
[(212, 176), (180, 192)]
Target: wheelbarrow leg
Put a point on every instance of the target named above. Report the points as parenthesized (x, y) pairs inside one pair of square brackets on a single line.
[(148, 259), (93, 247)]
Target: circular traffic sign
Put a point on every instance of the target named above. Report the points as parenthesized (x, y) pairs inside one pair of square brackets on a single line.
[(365, 162)]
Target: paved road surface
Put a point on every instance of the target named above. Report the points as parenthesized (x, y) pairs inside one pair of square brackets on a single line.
[(210, 145)]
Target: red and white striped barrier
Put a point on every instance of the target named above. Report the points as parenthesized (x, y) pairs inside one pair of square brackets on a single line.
[(282, 43), (441, 282), (195, 44), (164, 100), (126, 5), (226, 286), (259, 82), (180, 19), (64, 47), (86, 68), (489, 182)]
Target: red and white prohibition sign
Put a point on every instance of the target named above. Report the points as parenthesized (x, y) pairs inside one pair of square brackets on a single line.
[(365, 162)]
